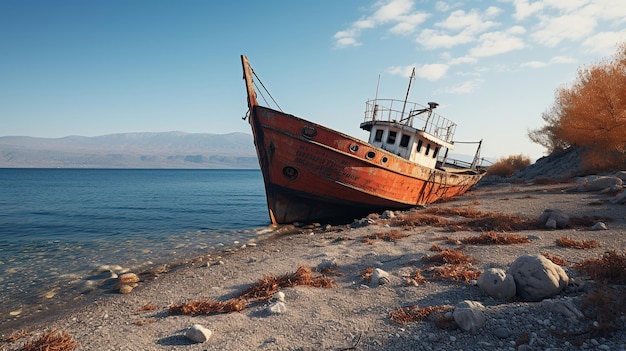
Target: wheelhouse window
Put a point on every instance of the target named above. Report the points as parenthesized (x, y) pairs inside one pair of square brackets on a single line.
[(379, 135), (391, 138), (404, 141), (427, 149), (436, 152), (419, 146)]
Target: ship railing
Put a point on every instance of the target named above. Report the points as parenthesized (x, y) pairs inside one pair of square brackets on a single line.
[(411, 114)]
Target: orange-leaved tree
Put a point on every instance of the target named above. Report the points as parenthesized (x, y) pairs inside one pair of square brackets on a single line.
[(590, 113)]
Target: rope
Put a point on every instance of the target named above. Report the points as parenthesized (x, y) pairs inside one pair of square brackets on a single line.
[(267, 91)]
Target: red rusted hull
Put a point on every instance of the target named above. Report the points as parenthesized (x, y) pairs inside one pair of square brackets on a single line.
[(313, 173)]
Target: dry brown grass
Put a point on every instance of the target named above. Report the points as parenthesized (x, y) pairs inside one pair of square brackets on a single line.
[(410, 314), (262, 291), (506, 167), (52, 341), (493, 238), (576, 244)]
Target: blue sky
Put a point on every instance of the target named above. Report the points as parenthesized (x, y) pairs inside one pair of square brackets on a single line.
[(98, 67)]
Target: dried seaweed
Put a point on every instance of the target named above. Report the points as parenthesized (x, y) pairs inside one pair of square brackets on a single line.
[(410, 314), (493, 238), (458, 272), (448, 256), (204, 307), (576, 244), (605, 306), (467, 219), (148, 307), (555, 259), (52, 341), (366, 274), (610, 268), (391, 235), (262, 291), (16, 335)]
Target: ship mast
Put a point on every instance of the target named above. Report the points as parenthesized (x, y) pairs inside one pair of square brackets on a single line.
[(408, 90)]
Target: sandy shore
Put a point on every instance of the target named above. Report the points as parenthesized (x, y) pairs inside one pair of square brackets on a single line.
[(351, 315)]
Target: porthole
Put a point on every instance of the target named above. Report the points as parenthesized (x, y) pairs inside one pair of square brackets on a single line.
[(354, 147), (384, 159), (290, 173), (370, 155), (309, 132)]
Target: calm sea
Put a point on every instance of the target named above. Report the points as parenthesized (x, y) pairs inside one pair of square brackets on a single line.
[(58, 225)]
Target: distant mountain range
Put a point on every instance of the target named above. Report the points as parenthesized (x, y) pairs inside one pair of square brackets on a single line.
[(131, 150)]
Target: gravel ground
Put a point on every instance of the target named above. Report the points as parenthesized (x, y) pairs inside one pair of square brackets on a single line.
[(351, 315)]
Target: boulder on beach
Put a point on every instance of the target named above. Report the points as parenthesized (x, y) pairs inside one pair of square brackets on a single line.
[(537, 278), (555, 219), (496, 283)]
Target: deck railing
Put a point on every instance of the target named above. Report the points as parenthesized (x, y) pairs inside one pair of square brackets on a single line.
[(410, 114)]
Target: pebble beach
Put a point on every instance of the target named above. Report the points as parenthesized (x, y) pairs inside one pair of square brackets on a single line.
[(353, 313)]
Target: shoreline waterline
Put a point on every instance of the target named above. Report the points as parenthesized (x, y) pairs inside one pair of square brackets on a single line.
[(59, 226)]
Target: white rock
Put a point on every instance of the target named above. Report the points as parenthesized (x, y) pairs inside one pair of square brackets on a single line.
[(599, 226), (198, 333), (469, 315), (279, 296), (379, 277), (277, 307)]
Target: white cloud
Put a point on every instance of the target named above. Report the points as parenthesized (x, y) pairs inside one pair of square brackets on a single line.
[(432, 72), (461, 88), (398, 14), (495, 43), (562, 59), (534, 64), (604, 43), (460, 27), (523, 8), (432, 39), (567, 27), (345, 39), (408, 24), (606, 10), (471, 22), (463, 59)]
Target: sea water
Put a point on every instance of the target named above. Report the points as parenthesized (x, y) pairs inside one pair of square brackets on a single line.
[(57, 226)]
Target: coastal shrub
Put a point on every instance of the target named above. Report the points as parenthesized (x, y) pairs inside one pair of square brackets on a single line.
[(605, 305), (507, 166), (590, 114), (16, 335)]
